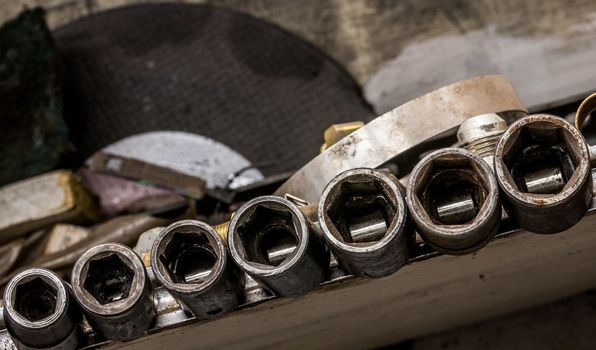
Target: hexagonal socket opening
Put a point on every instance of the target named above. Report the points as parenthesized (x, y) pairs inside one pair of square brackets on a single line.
[(36, 299), (268, 234), (541, 157), (188, 257), (451, 189), (360, 209), (108, 279)]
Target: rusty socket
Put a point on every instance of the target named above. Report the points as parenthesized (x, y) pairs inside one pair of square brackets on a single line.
[(543, 168), (365, 222), (272, 241), (40, 311), (189, 258), (110, 284), (454, 200)]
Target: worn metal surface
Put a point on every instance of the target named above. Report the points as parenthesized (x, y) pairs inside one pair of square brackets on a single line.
[(40, 311), (402, 128), (584, 110), (480, 135), (531, 145), (110, 283), (268, 223), (354, 198), (147, 172), (45, 199), (336, 132), (439, 184), (190, 259)]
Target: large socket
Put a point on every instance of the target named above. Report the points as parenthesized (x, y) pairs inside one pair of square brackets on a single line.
[(543, 168), (453, 197), (111, 285), (270, 239), (40, 312), (365, 222), (189, 258)]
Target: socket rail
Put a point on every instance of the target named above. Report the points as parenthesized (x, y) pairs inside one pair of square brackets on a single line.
[(433, 292)]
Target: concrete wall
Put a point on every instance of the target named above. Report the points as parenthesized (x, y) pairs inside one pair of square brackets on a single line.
[(364, 34)]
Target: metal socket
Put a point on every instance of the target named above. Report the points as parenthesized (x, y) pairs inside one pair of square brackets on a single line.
[(40, 312), (111, 285), (271, 240), (365, 222), (542, 165), (453, 197), (189, 258)]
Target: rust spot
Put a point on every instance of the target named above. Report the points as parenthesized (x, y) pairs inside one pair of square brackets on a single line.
[(347, 148)]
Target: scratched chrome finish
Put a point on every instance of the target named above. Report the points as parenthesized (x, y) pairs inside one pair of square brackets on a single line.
[(265, 223), (533, 145), (439, 184), (40, 312), (189, 258), (402, 128), (111, 285), (370, 256)]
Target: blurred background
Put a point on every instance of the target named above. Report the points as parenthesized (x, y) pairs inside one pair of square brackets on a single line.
[(105, 102)]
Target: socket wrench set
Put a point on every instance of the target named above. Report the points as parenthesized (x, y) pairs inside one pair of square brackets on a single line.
[(348, 214)]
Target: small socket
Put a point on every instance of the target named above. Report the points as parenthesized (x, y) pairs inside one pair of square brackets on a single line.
[(365, 222), (454, 200), (270, 239), (190, 259), (543, 167), (39, 311), (111, 285)]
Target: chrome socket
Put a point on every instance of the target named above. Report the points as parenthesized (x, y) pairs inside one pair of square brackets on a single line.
[(453, 197), (365, 222), (189, 258), (111, 285), (542, 165), (40, 312), (270, 239)]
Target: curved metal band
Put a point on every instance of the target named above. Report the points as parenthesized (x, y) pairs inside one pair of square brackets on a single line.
[(584, 110), (402, 128)]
